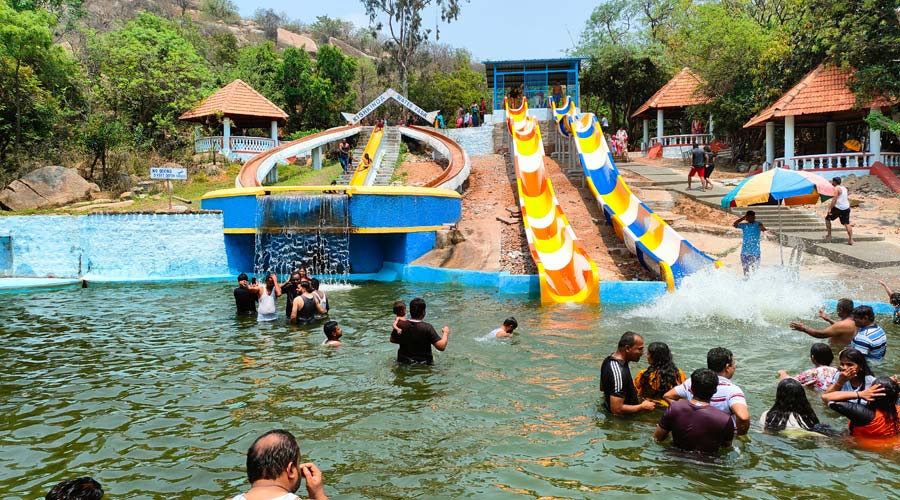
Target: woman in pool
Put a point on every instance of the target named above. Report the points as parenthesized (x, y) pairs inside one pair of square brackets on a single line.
[(876, 420), (854, 375), (791, 411), (662, 374)]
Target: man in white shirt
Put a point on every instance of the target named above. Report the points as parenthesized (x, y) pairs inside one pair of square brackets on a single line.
[(839, 209), (275, 471)]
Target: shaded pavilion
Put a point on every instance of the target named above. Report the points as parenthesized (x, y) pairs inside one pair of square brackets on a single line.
[(670, 102), (236, 104), (823, 100)]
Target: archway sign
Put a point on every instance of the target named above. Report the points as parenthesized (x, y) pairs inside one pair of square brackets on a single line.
[(378, 101)]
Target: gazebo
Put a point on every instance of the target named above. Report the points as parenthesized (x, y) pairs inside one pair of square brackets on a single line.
[(239, 105), (823, 99), (537, 78), (670, 101)]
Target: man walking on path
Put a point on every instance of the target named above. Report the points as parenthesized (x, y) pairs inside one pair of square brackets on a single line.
[(839, 209), (750, 252), (698, 166), (621, 397)]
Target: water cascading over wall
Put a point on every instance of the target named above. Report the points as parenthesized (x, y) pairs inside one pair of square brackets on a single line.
[(300, 230)]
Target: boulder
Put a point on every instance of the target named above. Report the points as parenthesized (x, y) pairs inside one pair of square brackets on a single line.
[(46, 187)]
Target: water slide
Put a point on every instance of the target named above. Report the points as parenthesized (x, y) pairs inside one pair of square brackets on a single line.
[(365, 176), (657, 246), (566, 272)]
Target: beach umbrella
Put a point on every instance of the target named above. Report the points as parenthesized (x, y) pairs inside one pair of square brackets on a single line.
[(779, 186)]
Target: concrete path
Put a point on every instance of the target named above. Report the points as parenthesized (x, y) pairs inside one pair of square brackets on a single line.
[(796, 223)]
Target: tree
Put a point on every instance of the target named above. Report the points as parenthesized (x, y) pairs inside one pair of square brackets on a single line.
[(259, 66), (404, 22), (219, 10), (449, 90), (269, 21), (326, 27), (100, 133)]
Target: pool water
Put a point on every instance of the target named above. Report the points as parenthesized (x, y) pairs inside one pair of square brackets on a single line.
[(157, 391)]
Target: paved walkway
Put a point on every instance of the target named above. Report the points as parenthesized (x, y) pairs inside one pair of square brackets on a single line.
[(796, 224)]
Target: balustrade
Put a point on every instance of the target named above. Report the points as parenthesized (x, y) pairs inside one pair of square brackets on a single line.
[(681, 140), (238, 143)]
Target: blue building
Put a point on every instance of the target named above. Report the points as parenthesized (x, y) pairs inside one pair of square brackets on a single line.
[(536, 77)]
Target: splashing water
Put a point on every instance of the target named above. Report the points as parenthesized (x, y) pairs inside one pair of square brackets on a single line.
[(768, 297)]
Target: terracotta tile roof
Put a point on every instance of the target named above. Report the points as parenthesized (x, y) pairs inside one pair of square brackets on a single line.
[(681, 91), (236, 99), (823, 90)]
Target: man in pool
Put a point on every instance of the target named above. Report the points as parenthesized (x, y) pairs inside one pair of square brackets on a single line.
[(728, 397), (839, 333), (752, 231), (616, 382), (417, 337), (275, 471), (291, 290), (244, 297), (333, 334), (870, 338), (695, 424), (82, 488)]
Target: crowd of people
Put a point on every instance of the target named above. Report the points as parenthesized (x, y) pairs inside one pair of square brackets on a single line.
[(706, 410)]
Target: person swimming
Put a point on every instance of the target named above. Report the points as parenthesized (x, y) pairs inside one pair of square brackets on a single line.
[(333, 334), (506, 329)]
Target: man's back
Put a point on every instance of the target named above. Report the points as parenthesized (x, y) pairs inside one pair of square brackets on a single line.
[(698, 157), (245, 300), (697, 427), (415, 342)]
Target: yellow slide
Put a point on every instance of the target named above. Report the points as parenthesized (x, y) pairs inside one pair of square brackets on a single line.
[(566, 272), (359, 177)]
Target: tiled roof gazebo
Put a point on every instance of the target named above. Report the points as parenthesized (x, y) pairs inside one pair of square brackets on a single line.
[(239, 104), (822, 97), (683, 90)]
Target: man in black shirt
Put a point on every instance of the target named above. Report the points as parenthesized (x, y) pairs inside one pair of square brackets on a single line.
[(698, 165), (291, 289), (416, 336), (615, 378), (244, 297)]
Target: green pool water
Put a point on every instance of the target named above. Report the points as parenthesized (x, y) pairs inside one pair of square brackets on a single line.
[(157, 391)]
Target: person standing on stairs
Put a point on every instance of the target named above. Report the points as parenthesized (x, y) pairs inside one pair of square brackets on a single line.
[(839, 209)]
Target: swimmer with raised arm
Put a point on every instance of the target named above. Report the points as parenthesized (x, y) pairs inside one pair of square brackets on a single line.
[(838, 333), (894, 298)]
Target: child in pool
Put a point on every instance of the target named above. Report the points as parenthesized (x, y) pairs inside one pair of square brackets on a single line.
[(333, 334), (400, 313), (820, 377), (894, 297), (854, 375), (506, 329)]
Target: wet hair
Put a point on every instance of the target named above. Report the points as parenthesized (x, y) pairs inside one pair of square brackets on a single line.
[(837, 180), (306, 286), (417, 308), (314, 283), (845, 306), (864, 312), (662, 365), (859, 359), (295, 276), (887, 402), (329, 328), (750, 213), (268, 462), (627, 339), (510, 321), (821, 353), (704, 383), (242, 277), (895, 299), (82, 488), (718, 358), (399, 308), (790, 399)]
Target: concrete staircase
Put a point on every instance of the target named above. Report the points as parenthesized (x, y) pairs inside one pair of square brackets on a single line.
[(361, 140), (391, 145)]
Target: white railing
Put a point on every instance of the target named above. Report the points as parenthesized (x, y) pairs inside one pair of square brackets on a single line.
[(681, 140), (238, 143), (891, 159), (835, 160)]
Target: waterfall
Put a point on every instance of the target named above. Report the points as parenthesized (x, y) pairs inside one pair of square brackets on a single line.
[(300, 230)]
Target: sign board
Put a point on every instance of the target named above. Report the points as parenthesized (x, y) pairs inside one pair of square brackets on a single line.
[(175, 174), (390, 94)]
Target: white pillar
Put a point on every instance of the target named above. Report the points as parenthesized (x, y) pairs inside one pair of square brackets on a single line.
[(646, 134), (875, 141), (789, 141), (660, 131), (830, 137), (317, 158), (226, 137), (275, 131), (711, 127), (770, 143)]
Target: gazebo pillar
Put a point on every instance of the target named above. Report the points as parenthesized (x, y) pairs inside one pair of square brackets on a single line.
[(275, 131), (317, 158), (789, 141), (770, 143), (660, 130), (226, 137), (875, 140), (646, 144), (830, 137)]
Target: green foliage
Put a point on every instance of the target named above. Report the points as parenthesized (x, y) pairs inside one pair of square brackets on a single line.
[(148, 73), (99, 134), (269, 21), (449, 91), (219, 10), (325, 27), (259, 66)]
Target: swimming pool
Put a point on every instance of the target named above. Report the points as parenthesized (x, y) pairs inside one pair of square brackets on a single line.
[(157, 390)]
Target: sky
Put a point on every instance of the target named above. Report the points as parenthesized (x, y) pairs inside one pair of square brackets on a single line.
[(489, 29)]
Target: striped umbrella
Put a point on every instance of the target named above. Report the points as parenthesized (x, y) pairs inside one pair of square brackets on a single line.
[(779, 186)]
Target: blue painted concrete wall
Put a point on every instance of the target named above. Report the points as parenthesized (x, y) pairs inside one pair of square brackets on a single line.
[(6, 257), (375, 211), (238, 211)]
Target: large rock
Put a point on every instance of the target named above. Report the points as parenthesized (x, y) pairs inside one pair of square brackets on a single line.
[(46, 187)]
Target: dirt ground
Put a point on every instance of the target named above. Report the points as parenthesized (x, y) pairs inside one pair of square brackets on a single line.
[(418, 170)]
